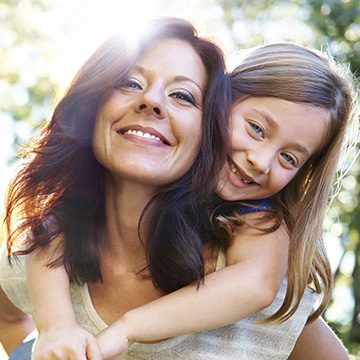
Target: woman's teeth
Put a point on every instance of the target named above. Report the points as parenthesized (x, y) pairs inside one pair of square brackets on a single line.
[(234, 171), (142, 134)]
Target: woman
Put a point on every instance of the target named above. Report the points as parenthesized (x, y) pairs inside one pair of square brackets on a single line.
[(183, 147), (165, 156)]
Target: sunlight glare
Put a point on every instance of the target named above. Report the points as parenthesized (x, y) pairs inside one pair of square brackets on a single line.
[(90, 23), (84, 25)]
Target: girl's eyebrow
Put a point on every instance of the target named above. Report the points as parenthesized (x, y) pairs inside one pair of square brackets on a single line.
[(178, 78), (267, 117), (301, 149), (270, 120)]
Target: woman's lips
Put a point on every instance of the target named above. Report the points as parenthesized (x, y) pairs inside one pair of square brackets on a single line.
[(145, 133)]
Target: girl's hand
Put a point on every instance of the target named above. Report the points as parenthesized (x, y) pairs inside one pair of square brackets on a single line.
[(112, 343), (70, 342)]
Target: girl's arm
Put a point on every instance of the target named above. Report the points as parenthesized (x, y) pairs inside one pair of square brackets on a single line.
[(49, 291), (256, 264), (14, 324), (60, 337), (318, 341)]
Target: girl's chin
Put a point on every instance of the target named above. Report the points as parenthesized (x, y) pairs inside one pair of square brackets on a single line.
[(229, 195)]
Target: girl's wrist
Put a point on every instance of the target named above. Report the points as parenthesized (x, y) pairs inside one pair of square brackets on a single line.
[(127, 328), (43, 326)]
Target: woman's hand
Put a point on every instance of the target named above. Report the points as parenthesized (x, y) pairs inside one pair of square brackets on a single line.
[(66, 342)]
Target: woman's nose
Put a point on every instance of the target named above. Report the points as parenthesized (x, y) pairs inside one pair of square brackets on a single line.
[(152, 103), (155, 109)]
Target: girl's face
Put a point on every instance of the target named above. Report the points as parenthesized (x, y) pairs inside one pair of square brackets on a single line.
[(271, 140), (148, 129)]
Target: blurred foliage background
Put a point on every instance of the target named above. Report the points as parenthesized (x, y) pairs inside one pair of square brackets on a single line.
[(42, 42)]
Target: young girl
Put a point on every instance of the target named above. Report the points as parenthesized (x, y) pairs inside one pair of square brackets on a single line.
[(291, 110)]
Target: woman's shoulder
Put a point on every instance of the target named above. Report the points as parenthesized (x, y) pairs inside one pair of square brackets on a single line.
[(13, 281), (10, 270)]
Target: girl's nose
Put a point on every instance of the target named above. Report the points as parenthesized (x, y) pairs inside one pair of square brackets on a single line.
[(260, 161)]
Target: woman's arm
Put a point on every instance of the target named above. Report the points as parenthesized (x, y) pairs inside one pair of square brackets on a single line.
[(318, 341), (256, 264), (14, 324)]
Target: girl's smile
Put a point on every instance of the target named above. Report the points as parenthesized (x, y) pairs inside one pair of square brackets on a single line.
[(271, 140)]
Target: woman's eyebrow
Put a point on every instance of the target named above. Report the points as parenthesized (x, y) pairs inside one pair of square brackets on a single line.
[(140, 69), (185, 78), (179, 78)]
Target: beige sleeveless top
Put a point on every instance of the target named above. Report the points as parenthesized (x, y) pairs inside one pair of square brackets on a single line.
[(243, 340)]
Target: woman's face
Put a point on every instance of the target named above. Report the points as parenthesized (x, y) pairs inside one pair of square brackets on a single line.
[(148, 128), (271, 140)]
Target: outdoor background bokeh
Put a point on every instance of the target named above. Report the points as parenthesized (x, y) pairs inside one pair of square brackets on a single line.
[(43, 42)]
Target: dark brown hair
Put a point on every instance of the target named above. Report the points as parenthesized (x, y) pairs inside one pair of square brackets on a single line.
[(59, 190)]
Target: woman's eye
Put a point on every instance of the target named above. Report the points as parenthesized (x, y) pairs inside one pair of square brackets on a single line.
[(289, 159), (256, 128), (131, 84), (183, 96)]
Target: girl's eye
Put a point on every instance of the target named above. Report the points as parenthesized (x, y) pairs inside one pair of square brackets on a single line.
[(131, 84), (183, 96), (256, 128), (289, 159)]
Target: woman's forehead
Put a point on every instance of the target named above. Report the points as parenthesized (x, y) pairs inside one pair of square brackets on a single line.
[(173, 57)]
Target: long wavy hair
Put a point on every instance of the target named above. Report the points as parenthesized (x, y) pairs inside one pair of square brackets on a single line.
[(58, 192), (295, 73)]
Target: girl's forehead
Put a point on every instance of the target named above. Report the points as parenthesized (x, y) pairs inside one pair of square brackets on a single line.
[(299, 126)]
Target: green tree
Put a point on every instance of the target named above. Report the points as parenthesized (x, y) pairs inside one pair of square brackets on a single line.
[(338, 24), (25, 48)]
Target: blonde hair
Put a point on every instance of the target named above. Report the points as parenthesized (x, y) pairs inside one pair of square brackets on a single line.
[(295, 73)]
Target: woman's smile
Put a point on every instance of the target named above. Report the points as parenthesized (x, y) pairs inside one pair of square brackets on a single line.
[(147, 136)]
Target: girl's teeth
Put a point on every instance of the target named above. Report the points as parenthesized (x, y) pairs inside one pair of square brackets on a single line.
[(234, 171)]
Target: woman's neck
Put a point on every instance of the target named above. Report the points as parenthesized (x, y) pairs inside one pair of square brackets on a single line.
[(124, 204)]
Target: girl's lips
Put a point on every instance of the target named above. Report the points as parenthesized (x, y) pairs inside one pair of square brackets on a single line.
[(241, 175), (236, 181), (147, 133)]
